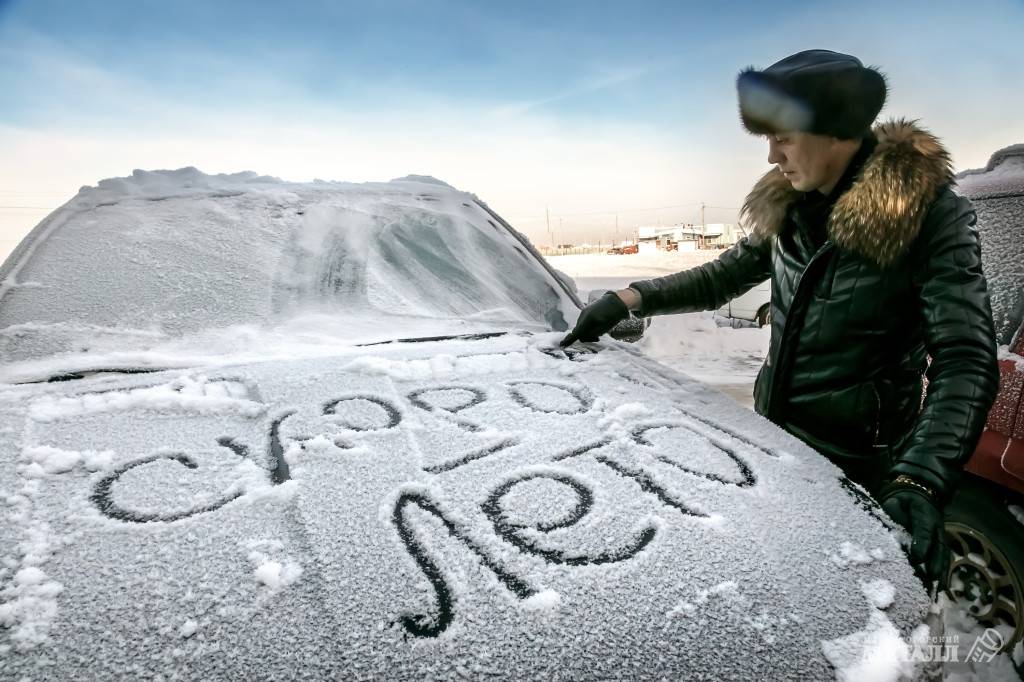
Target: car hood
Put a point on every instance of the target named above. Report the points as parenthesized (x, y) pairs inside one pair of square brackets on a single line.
[(437, 509)]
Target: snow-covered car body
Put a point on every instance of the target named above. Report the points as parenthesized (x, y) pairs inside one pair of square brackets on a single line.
[(408, 508), (988, 558), (997, 194)]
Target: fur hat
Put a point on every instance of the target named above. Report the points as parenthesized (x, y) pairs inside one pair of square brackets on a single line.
[(815, 91)]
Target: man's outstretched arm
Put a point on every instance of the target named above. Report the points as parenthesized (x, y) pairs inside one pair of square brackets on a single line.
[(708, 286)]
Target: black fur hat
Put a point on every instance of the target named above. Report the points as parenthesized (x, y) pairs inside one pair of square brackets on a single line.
[(816, 91)]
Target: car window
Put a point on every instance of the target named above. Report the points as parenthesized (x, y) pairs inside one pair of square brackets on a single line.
[(166, 255), (401, 260)]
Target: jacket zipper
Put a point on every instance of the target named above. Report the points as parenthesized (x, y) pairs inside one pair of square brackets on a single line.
[(799, 294), (878, 413)]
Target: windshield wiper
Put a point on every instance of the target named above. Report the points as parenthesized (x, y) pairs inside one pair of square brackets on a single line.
[(74, 376), (451, 337)]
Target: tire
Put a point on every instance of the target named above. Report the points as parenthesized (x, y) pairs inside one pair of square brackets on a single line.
[(986, 571), (764, 315)]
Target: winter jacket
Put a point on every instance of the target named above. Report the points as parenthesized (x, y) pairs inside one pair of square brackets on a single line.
[(897, 281)]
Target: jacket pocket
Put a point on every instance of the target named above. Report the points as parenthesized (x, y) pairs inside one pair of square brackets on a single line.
[(849, 418)]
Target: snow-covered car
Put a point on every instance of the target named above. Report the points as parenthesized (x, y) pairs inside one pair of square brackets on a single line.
[(251, 428), (754, 305), (985, 522)]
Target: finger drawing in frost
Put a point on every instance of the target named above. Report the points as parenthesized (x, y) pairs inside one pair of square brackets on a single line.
[(747, 477), (643, 379), (547, 397), (280, 472), (650, 485), (771, 452), (103, 492), (582, 450), (449, 400), (511, 532), (642, 477), (863, 500), (353, 413), (426, 625), (473, 456)]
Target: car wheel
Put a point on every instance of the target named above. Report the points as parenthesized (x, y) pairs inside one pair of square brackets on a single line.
[(986, 573), (764, 315)]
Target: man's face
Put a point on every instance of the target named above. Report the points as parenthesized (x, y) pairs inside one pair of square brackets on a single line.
[(804, 158)]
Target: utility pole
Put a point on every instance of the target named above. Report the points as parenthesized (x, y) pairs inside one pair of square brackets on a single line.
[(703, 227), (616, 229), (547, 218)]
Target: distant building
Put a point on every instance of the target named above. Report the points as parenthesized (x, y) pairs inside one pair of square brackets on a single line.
[(688, 237)]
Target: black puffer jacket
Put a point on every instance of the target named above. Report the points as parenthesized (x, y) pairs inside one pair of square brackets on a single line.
[(897, 279)]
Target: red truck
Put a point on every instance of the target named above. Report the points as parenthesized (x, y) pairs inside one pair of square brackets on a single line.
[(985, 519)]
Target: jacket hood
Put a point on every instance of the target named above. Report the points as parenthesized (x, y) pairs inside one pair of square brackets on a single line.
[(882, 212)]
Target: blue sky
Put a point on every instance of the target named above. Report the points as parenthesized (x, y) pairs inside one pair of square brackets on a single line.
[(580, 107)]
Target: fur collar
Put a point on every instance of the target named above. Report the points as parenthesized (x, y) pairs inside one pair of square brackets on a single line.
[(881, 214)]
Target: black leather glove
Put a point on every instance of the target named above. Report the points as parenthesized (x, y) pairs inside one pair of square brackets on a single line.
[(914, 506), (597, 318)]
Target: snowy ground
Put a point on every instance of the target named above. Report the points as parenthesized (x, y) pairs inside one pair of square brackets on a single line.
[(727, 355), (724, 353)]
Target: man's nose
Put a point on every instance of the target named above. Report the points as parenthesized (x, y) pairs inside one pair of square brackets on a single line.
[(774, 155)]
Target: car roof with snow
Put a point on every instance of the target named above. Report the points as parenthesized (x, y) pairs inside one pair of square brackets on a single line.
[(480, 504)]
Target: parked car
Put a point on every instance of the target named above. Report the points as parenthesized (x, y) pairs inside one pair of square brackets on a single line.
[(985, 521), (630, 248), (614, 251), (251, 428), (755, 305)]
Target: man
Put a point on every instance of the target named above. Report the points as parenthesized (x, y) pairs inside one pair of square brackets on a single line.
[(876, 282)]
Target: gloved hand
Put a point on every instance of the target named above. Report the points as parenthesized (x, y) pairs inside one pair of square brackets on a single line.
[(597, 318), (913, 505)]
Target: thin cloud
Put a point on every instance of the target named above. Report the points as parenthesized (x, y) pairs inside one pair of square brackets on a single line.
[(586, 86)]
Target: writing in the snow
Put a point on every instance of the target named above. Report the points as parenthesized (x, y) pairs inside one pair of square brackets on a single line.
[(366, 413)]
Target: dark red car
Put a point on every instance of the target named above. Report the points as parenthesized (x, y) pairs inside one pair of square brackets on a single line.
[(985, 521)]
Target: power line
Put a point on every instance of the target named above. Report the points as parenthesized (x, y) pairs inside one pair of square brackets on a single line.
[(629, 210), (616, 212), (24, 193)]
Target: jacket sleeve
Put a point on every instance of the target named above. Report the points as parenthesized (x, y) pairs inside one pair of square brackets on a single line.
[(708, 286), (959, 335)]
